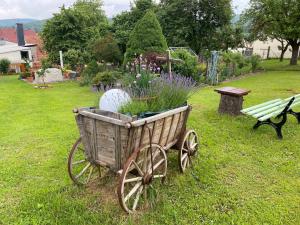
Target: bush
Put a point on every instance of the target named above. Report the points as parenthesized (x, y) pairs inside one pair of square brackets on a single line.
[(75, 58), (190, 66), (106, 49), (25, 75), (255, 61), (91, 70), (106, 78), (4, 65), (232, 64)]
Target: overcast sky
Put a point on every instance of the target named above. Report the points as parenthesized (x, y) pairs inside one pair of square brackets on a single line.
[(42, 9)]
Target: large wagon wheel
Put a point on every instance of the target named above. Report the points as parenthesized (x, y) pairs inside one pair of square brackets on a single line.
[(188, 149), (81, 171), (141, 171)]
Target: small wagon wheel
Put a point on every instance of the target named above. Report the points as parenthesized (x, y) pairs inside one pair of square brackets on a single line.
[(140, 172), (188, 148), (81, 171)]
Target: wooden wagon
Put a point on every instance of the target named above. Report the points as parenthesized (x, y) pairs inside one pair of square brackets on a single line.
[(134, 149)]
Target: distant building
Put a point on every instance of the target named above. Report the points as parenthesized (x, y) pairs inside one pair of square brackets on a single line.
[(19, 46), (15, 54), (266, 49)]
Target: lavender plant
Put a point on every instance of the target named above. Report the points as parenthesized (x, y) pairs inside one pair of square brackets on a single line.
[(160, 94)]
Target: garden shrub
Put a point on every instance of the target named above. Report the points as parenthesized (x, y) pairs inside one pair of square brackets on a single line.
[(190, 66), (255, 61), (4, 65), (107, 78), (232, 64), (75, 58), (91, 70), (106, 49)]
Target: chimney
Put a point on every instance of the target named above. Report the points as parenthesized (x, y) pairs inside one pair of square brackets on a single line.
[(20, 34)]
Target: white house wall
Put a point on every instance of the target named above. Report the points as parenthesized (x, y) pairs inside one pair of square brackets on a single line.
[(261, 48), (14, 57)]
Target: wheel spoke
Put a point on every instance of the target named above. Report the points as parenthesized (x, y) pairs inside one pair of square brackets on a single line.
[(185, 150), (158, 176), (194, 146), (137, 198), (135, 179), (90, 174), (184, 156), (185, 162), (138, 168), (157, 165), (192, 141), (154, 156), (133, 190), (83, 171), (79, 162)]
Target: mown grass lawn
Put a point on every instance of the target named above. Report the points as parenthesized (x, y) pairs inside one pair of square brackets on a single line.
[(240, 176)]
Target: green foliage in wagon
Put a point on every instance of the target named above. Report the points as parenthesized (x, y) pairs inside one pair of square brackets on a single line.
[(160, 94)]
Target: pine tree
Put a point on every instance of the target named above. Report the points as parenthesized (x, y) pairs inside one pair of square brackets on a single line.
[(146, 37)]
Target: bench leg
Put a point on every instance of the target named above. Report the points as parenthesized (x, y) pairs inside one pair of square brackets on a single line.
[(297, 115), (276, 126)]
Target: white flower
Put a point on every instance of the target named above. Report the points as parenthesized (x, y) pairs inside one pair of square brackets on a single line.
[(134, 82), (138, 75)]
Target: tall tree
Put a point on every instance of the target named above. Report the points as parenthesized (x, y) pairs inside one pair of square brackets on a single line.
[(124, 23), (194, 23), (74, 28), (278, 19)]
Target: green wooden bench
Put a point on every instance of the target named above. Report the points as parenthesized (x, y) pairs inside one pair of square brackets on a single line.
[(277, 108)]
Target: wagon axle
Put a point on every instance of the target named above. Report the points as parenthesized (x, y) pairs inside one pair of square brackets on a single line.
[(147, 179)]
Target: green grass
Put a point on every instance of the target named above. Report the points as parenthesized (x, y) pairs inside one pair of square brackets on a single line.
[(240, 176), (275, 65)]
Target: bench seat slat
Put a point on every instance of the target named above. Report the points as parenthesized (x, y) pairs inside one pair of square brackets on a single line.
[(260, 105)]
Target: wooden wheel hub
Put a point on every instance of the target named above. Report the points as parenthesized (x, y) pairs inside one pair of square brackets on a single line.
[(147, 179)]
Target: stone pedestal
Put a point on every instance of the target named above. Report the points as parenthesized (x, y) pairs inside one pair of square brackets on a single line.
[(231, 100)]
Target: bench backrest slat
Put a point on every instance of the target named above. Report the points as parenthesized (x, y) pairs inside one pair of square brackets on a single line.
[(264, 108), (277, 112), (272, 109), (260, 105)]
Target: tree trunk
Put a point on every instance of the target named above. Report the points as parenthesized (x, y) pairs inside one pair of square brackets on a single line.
[(295, 53), (283, 51)]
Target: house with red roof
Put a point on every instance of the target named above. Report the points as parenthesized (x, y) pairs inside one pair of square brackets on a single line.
[(19, 45)]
